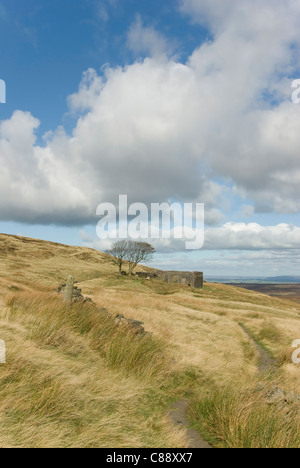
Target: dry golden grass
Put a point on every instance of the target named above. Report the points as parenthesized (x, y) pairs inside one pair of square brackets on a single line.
[(72, 379), (75, 379), (239, 416)]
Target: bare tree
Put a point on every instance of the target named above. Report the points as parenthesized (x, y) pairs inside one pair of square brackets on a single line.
[(119, 253), (138, 252), (133, 252)]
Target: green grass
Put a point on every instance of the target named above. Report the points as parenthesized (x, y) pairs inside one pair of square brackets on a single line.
[(258, 340), (237, 417), (269, 332)]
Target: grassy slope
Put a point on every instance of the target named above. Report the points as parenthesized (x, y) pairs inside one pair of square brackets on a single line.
[(65, 386)]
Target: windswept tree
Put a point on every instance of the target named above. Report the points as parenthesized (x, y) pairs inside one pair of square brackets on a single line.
[(118, 253), (138, 252), (132, 252)]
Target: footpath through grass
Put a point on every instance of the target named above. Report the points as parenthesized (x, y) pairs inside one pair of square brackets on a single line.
[(76, 379)]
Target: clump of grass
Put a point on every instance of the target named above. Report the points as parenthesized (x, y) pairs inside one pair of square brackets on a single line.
[(270, 332), (285, 357), (220, 313), (54, 324), (239, 417), (253, 315)]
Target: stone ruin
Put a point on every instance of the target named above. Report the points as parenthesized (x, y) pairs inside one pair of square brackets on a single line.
[(193, 279)]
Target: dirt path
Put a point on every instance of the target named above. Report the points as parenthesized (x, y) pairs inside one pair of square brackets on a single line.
[(266, 362), (177, 414)]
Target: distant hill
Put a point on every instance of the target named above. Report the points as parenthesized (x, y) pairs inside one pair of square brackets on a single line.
[(284, 279), (254, 280)]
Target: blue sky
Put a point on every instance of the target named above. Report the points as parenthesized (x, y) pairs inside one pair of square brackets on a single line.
[(186, 100), (49, 43)]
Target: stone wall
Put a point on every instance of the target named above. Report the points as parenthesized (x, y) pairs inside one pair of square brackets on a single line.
[(190, 278)]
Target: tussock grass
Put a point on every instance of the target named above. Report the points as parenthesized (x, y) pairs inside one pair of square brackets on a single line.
[(285, 356), (76, 379), (240, 417), (269, 332), (55, 324)]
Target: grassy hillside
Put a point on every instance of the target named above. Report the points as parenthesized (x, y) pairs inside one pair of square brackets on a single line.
[(75, 378)]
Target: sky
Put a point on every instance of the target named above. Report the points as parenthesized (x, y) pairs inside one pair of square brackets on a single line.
[(186, 101)]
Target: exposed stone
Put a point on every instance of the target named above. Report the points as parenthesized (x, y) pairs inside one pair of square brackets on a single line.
[(60, 287), (135, 325), (292, 397), (102, 310), (69, 290), (276, 395), (190, 278), (259, 387), (120, 319), (76, 295), (143, 274)]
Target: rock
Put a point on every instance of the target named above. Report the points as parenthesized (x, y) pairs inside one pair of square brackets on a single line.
[(103, 311), (292, 397), (69, 290), (120, 319), (135, 325), (259, 387), (76, 296), (276, 396)]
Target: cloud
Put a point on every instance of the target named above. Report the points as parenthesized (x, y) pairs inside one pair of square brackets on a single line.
[(145, 40), (246, 18), (234, 263), (3, 12), (102, 12), (230, 237), (247, 211), (213, 217), (160, 130), (40, 185), (103, 7), (89, 90), (86, 237), (252, 236)]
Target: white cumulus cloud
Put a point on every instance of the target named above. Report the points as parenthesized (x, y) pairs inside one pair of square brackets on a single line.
[(161, 130)]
